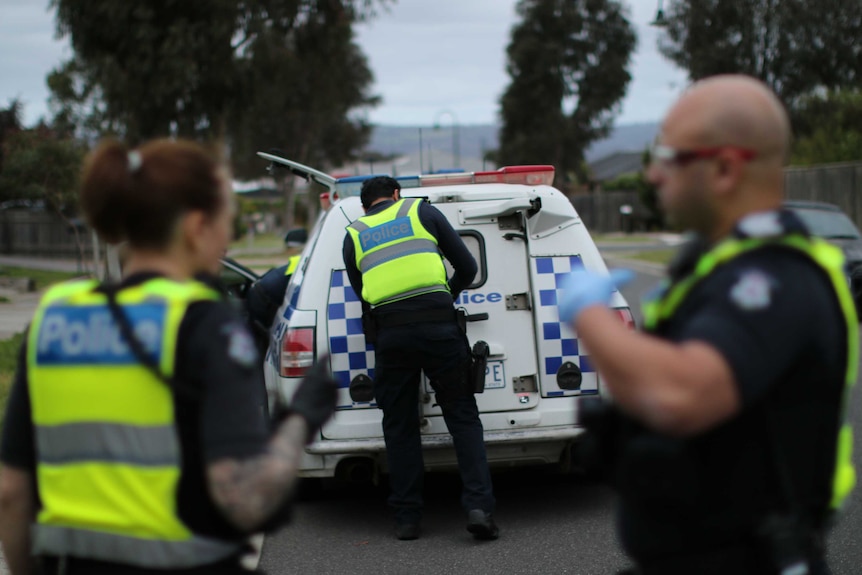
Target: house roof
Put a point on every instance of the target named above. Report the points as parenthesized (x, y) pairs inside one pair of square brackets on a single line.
[(616, 164)]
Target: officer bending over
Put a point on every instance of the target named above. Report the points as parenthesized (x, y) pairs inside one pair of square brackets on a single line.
[(266, 295), (728, 445), (392, 256), (134, 442)]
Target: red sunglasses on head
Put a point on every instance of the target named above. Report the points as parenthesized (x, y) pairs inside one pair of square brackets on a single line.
[(675, 157)]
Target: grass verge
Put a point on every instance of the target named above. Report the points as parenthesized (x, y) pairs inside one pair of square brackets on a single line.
[(8, 361), (258, 241), (653, 256), (43, 278)]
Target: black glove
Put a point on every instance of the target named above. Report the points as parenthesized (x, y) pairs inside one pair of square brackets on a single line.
[(316, 397)]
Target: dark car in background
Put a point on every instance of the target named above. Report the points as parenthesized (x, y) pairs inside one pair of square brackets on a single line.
[(829, 222)]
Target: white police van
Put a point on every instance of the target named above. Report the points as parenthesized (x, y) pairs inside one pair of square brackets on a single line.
[(526, 237)]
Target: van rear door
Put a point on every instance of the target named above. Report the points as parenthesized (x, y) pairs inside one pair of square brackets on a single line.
[(498, 304)]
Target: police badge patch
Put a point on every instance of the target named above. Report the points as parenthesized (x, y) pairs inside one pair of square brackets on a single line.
[(761, 225), (753, 291), (241, 347)]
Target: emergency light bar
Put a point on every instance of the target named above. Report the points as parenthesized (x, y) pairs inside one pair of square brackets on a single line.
[(525, 175)]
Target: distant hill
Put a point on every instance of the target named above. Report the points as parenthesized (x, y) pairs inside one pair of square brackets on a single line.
[(476, 138)]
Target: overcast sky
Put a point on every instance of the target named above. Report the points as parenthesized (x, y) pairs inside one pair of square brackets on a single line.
[(433, 60)]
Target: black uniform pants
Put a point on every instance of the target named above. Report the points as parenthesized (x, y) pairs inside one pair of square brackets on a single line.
[(438, 348)]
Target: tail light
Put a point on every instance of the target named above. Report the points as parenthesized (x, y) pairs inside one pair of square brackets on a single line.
[(625, 315), (297, 352)]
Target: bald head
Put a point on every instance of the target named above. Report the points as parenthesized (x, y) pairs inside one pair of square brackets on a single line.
[(734, 110)]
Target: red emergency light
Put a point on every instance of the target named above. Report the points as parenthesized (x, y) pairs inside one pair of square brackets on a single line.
[(539, 175)]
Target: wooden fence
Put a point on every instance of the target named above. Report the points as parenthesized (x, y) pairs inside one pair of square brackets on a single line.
[(41, 234), (839, 184)]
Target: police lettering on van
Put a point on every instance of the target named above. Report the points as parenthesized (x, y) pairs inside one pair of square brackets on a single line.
[(466, 297), (526, 237)]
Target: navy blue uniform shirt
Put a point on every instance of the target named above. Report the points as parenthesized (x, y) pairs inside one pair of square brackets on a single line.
[(773, 316)]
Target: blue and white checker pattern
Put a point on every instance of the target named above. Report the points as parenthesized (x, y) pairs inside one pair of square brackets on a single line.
[(558, 343), (350, 354)]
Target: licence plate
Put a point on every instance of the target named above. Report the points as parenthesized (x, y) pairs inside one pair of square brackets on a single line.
[(495, 376)]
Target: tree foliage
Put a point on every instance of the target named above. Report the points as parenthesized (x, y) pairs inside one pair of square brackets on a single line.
[(568, 61), (794, 46), (830, 128), (171, 67), (146, 69), (318, 76), (10, 124), (40, 165)]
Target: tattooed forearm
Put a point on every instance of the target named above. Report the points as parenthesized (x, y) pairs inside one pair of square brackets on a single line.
[(250, 491)]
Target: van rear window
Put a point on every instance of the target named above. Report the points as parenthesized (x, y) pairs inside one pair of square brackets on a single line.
[(476, 244)]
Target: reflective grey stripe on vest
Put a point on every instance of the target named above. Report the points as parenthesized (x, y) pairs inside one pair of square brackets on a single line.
[(413, 292), (387, 254), (88, 544), (110, 442), (403, 210)]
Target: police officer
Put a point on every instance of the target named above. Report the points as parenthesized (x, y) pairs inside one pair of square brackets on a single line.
[(267, 293), (133, 439), (392, 256), (728, 444)]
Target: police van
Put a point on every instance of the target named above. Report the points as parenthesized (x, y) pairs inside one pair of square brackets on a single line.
[(526, 237)]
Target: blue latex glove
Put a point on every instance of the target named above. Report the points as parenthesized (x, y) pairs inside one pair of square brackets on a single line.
[(583, 289)]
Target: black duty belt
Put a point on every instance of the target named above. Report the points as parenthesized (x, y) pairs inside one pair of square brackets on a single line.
[(393, 319)]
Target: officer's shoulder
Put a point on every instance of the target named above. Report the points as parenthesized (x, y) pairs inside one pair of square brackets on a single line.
[(429, 211), (775, 270), (209, 312), (778, 260), (426, 206)]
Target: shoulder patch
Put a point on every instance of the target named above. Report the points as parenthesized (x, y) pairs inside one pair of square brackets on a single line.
[(761, 225), (240, 347), (753, 291)]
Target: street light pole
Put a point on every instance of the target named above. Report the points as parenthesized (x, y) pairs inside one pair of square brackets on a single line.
[(456, 136), (421, 162), (660, 21)]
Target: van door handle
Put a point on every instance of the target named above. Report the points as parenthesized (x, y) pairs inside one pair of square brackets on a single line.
[(513, 236), (477, 316)]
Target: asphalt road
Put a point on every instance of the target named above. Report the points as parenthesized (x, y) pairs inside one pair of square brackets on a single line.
[(549, 523)]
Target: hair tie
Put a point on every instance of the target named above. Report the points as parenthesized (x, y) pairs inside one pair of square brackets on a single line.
[(135, 161)]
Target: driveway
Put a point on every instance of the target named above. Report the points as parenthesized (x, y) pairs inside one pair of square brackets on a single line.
[(16, 313)]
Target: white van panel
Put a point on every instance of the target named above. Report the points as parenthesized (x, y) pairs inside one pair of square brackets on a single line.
[(558, 343)]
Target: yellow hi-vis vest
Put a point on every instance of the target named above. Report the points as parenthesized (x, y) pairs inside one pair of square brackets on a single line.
[(108, 451), (397, 256), (292, 262), (831, 260)]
